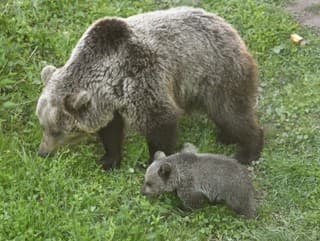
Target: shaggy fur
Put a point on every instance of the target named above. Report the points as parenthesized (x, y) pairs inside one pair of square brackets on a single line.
[(145, 71), (200, 177)]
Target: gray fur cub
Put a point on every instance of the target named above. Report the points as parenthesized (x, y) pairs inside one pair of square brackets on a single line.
[(200, 177)]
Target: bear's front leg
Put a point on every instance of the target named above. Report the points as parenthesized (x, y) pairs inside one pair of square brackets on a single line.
[(162, 137), (112, 138)]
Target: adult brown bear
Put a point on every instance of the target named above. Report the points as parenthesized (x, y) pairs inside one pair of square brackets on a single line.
[(145, 71)]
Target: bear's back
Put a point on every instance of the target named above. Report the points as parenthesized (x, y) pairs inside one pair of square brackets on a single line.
[(193, 47), (191, 28)]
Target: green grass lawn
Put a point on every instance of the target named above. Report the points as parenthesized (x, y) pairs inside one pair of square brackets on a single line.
[(69, 198)]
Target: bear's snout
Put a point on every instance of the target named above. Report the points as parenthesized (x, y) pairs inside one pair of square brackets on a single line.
[(43, 153), (47, 146)]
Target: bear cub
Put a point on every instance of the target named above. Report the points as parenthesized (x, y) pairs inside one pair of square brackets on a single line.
[(197, 178)]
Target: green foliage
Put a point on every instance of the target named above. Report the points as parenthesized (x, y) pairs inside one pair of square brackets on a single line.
[(69, 198)]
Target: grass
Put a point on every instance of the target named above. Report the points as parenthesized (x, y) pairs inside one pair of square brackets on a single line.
[(314, 8), (69, 198)]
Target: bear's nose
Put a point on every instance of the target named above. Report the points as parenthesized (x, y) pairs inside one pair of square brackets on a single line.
[(45, 154), (42, 153)]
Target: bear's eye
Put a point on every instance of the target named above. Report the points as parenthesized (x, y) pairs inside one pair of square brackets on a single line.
[(149, 184)]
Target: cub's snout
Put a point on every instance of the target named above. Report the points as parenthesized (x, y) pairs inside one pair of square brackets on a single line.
[(143, 190)]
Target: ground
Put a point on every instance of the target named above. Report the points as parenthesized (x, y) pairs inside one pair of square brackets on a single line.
[(68, 197), (307, 12)]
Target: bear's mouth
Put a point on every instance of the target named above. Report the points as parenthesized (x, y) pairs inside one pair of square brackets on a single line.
[(46, 154), (151, 195)]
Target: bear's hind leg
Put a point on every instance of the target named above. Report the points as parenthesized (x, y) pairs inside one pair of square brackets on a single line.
[(238, 125), (249, 136), (224, 137)]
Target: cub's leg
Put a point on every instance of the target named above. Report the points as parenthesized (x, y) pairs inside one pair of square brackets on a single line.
[(242, 205), (162, 137), (112, 138), (191, 199)]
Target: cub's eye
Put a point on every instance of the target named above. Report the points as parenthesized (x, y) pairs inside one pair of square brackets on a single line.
[(149, 184)]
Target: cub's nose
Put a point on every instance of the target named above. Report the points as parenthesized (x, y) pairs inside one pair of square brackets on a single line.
[(143, 191)]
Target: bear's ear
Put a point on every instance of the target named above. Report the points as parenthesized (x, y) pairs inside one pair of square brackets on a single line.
[(164, 170), (74, 103), (46, 73), (158, 155), (107, 33)]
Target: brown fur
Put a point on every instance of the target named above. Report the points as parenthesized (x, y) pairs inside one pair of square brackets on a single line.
[(146, 71)]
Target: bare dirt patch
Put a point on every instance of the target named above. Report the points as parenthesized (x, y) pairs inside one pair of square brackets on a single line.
[(307, 12)]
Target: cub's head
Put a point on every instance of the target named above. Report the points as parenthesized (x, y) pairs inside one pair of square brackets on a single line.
[(64, 117), (160, 176)]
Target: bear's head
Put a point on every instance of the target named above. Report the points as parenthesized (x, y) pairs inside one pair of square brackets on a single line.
[(65, 117), (74, 101), (160, 176)]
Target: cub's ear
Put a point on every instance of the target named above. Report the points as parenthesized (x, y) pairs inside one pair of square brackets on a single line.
[(164, 170), (189, 148), (74, 103), (158, 155), (46, 73)]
